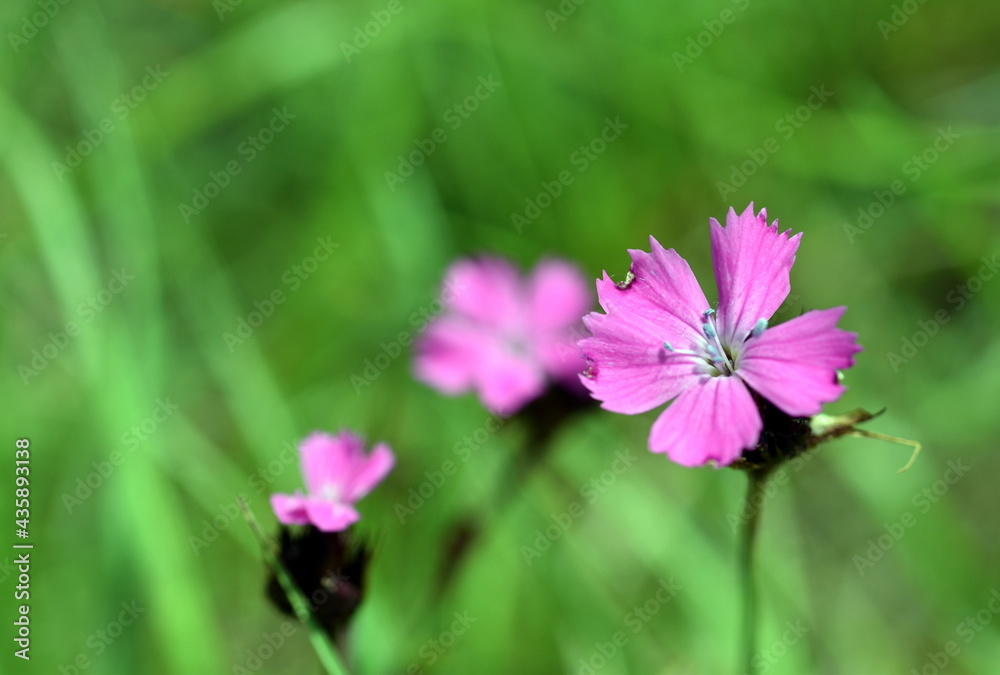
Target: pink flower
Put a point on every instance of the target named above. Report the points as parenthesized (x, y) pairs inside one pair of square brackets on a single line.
[(659, 340), (337, 474), (505, 336)]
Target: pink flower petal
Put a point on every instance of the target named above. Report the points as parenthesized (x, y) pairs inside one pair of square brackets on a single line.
[(631, 370), (326, 459), (454, 357), (331, 516), (290, 509), (507, 380), (752, 263), (558, 296), (794, 364), (487, 290), (561, 357), (369, 472), (631, 376), (715, 419), (663, 295), (447, 355)]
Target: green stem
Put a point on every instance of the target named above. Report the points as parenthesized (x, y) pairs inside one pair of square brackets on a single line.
[(322, 643), (757, 479)]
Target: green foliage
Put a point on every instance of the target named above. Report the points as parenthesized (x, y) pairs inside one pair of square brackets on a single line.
[(237, 163)]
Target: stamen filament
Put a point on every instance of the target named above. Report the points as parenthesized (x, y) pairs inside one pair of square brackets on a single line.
[(716, 351), (686, 352)]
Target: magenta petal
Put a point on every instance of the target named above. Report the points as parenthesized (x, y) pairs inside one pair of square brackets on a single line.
[(330, 516), (631, 371), (794, 364), (663, 296), (290, 509), (558, 296), (715, 419), (487, 290), (454, 357), (561, 357), (447, 355), (506, 380), (370, 472), (326, 458), (629, 376), (752, 263)]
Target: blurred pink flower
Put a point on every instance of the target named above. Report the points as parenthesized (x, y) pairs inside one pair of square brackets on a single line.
[(659, 340), (504, 336), (337, 474)]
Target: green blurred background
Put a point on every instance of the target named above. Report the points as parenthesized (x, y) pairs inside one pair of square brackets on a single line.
[(148, 105)]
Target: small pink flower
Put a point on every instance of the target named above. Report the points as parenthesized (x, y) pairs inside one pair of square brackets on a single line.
[(337, 474), (659, 340), (505, 336)]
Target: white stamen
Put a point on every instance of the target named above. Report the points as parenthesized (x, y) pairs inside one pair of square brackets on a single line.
[(687, 352)]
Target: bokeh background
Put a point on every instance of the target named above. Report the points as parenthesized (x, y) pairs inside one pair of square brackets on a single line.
[(116, 116)]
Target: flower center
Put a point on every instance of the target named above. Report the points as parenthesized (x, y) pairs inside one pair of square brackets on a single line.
[(330, 493), (516, 345), (720, 357)]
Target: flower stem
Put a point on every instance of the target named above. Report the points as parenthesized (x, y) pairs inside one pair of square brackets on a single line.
[(757, 479)]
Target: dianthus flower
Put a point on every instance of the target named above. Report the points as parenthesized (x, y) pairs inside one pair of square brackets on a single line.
[(660, 340), (337, 474), (505, 336)]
